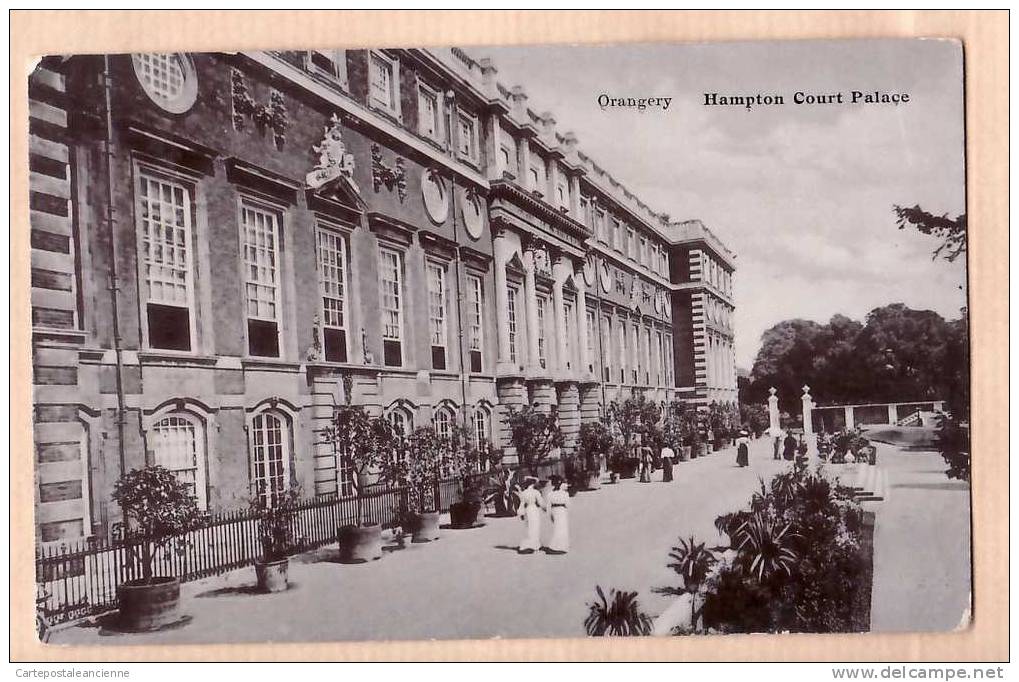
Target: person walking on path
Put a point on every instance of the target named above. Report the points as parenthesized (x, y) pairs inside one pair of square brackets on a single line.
[(789, 447), (531, 505), (742, 450), (558, 504), (778, 444), (668, 456)]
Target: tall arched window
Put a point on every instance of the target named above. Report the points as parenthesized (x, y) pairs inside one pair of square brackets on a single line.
[(444, 422), (482, 423), (177, 442), (270, 454), (403, 424)]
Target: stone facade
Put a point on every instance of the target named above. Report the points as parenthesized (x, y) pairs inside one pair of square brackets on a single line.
[(226, 246)]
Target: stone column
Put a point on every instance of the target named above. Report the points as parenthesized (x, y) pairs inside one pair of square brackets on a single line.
[(492, 143), (774, 421), (575, 198), (850, 417), (808, 425), (893, 415), (525, 163), (531, 298), (502, 248)]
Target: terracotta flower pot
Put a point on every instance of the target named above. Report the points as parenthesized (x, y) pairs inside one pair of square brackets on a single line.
[(360, 543), (149, 606), (272, 575)]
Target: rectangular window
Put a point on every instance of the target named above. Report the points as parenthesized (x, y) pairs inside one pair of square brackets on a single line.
[(437, 314), (636, 352), (164, 215), (382, 79), (589, 337), (467, 136), (617, 235), (660, 356), (535, 181), (262, 279), (601, 227), (391, 275), (429, 113), (669, 373), (563, 195), (507, 160), (607, 347), (568, 333), (631, 243), (511, 304), (622, 351), (647, 356), (542, 306), (332, 277), (643, 251), (331, 63), (475, 318)]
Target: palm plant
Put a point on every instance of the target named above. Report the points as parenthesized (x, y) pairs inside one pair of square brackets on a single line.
[(619, 615), (692, 561), (765, 547)]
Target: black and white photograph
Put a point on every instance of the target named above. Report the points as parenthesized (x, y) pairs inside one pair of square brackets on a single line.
[(536, 341)]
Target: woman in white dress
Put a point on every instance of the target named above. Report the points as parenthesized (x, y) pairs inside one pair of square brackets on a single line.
[(531, 505), (558, 503)]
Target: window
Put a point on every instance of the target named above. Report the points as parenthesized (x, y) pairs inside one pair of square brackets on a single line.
[(631, 243), (346, 484), (506, 155), (589, 335), (542, 307), (647, 356), (475, 321), (270, 455), (643, 251), (391, 274), (332, 277), (168, 79), (622, 351), (262, 279), (636, 352), (562, 194), (600, 226), (482, 434), (402, 422), (382, 79), (660, 357), (511, 304), (585, 213), (467, 136), (429, 113), (332, 63), (437, 313), (444, 422), (177, 443), (617, 235), (533, 177), (568, 333), (164, 216), (607, 347), (538, 178)]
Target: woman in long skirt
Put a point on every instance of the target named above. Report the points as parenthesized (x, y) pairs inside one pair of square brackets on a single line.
[(668, 455), (529, 510), (742, 450), (558, 503)]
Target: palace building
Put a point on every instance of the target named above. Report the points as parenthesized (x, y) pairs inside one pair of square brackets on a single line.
[(227, 245)]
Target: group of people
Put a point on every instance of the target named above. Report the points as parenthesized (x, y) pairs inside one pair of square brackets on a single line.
[(531, 508), (647, 464)]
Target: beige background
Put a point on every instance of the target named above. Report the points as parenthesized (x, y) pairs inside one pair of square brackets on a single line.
[(985, 36)]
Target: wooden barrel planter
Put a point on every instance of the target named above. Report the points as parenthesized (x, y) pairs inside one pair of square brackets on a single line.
[(360, 543), (425, 527), (147, 606), (464, 514), (272, 576)]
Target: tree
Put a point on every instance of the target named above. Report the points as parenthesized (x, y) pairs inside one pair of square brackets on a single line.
[(534, 434), (365, 442), (951, 231), (160, 510)]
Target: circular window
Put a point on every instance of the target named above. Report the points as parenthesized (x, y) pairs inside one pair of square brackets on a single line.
[(472, 214), (590, 271), (435, 195), (606, 277), (168, 79)]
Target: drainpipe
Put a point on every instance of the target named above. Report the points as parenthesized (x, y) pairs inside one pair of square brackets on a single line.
[(114, 279), (450, 113)]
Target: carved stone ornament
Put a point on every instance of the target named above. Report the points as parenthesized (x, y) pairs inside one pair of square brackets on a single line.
[(389, 176), (272, 116), (333, 160)]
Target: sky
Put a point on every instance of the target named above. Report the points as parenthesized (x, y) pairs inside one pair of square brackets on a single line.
[(802, 194)]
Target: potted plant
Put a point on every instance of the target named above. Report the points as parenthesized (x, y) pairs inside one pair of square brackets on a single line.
[(464, 513), (366, 442), (429, 457), (502, 490), (160, 510), (534, 434), (594, 442), (622, 462), (276, 514), (618, 615)]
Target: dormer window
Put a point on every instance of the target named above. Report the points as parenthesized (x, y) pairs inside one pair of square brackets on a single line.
[(330, 63), (467, 136), (382, 82), (429, 113)]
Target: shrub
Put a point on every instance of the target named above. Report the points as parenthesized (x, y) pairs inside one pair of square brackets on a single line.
[(619, 615), (276, 523), (366, 442), (594, 441), (534, 434)]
